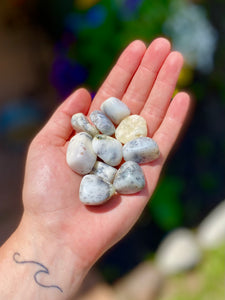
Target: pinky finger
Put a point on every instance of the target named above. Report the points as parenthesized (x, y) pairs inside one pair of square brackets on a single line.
[(173, 123)]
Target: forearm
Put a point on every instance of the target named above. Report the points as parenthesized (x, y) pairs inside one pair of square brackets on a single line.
[(32, 267)]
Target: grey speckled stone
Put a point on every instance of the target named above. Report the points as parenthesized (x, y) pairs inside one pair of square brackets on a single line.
[(104, 125), (129, 178), (80, 156), (80, 123), (104, 171), (141, 150), (108, 149), (115, 109), (94, 190)]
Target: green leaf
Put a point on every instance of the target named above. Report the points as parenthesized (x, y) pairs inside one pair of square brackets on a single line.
[(165, 205)]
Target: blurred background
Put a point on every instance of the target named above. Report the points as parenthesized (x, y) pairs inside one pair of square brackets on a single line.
[(49, 48)]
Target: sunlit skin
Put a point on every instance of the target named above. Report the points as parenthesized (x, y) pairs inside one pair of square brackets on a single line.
[(145, 80)]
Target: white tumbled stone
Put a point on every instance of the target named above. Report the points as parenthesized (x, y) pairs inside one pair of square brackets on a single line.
[(141, 150), (129, 178), (115, 109), (80, 123), (80, 156), (130, 128), (108, 149), (211, 231), (94, 190), (104, 171), (102, 122), (178, 252)]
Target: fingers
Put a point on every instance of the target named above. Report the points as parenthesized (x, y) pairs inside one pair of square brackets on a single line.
[(166, 136), (59, 129), (143, 80), (119, 78), (174, 120), (160, 96)]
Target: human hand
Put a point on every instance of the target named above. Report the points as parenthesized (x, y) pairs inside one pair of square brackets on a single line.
[(145, 80)]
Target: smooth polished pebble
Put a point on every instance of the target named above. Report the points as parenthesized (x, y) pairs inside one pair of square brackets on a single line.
[(129, 178), (141, 150), (108, 149), (80, 123), (115, 109), (104, 171), (80, 156), (102, 122), (94, 190), (130, 128)]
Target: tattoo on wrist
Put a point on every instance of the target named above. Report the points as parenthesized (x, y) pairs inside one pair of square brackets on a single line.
[(43, 269)]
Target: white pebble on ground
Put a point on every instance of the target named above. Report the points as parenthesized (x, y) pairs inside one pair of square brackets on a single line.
[(178, 252)]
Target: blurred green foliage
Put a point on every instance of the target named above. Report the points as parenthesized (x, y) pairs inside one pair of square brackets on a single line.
[(98, 47), (165, 205)]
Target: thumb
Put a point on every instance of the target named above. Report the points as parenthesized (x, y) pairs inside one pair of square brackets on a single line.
[(58, 129)]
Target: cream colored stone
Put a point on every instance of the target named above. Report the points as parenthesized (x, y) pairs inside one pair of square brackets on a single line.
[(130, 128)]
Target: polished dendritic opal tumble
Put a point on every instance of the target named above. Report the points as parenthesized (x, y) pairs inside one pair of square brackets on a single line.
[(80, 154), (115, 109), (94, 190), (102, 123), (104, 171), (141, 150), (129, 178), (80, 123), (108, 149)]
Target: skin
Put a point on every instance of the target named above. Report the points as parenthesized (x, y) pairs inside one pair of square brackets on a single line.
[(56, 229)]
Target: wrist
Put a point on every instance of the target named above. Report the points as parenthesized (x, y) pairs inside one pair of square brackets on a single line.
[(34, 265)]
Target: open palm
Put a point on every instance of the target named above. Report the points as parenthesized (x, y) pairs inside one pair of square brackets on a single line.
[(145, 80)]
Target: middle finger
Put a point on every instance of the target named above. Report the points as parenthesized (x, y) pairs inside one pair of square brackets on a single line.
[(144, 78)]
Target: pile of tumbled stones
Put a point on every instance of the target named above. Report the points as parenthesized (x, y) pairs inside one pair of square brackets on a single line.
[(94, 153)]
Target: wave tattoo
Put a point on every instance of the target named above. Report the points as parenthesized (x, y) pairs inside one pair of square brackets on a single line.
[(42, 270)]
